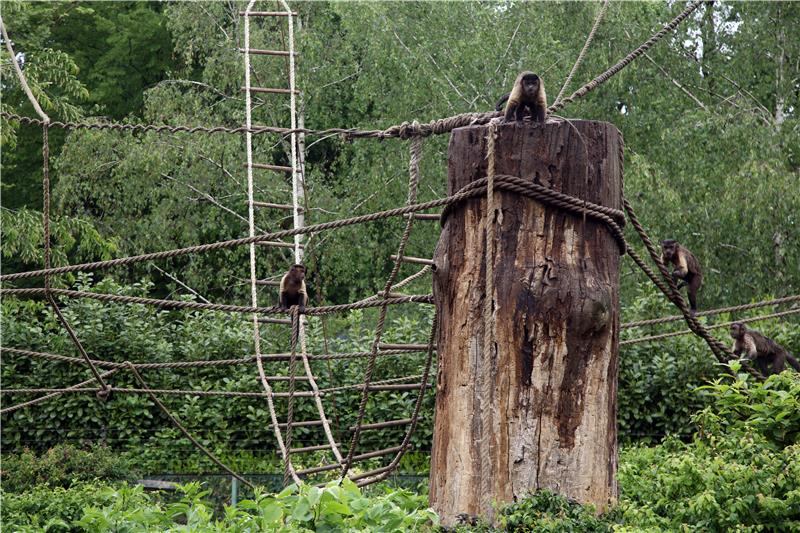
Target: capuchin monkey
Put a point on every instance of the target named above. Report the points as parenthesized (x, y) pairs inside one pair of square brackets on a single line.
[(687, 268), (527, 94), (293, 288), (768, 356)]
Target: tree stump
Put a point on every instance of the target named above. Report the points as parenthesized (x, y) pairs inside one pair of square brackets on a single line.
[(552, 374)]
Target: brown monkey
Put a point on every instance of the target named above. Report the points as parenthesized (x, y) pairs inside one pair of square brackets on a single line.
[(293, 288), (687, 268), (528, 93), (768, 356)]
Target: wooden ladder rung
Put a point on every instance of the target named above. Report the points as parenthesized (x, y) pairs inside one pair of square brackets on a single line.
[(258, 52), (269, 90), (423, 216), (267, 13), (277, 244), (287, 207), (286, 378), (381, 425), (301, 424), (397, 386), (313, 448), (268, 282), (284, 321), (362, 457), (371, 473), (264, 166), (415, 260), (407, 347), (297, 394)]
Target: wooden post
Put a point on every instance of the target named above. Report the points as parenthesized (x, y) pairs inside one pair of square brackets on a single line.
[(552, 376)]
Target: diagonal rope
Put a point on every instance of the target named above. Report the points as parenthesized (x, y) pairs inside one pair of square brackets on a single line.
[(413, 181), (585, 48), (182, 428)]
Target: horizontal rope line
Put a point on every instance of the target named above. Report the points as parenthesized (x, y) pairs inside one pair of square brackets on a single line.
[(714, 326), (201, 306), (202, 363), (711, 312)]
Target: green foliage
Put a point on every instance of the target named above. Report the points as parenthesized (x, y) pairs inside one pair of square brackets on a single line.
[(548, 512), (56, 509), (62, 466), (75, 240), (295, 509), (741, 472), (743, 406)]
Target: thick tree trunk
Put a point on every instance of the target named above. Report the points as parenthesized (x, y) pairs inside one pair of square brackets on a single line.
[(552, 375)]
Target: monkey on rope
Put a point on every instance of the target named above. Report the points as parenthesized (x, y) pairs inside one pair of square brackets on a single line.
[(768, 356), (293, 288), (527, 94), (687, 268)]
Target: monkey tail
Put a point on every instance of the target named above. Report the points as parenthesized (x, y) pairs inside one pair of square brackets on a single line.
[(500, 105), (793, 361)]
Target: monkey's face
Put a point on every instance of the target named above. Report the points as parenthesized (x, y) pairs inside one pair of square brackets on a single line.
[(669, 249), (299, 272), (737, 330), (530, 85)]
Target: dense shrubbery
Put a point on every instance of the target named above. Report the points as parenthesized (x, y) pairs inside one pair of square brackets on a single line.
[(63, 466), (740, 472), (295, 509)]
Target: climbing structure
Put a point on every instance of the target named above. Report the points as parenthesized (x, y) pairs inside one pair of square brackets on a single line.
[(345, 452)]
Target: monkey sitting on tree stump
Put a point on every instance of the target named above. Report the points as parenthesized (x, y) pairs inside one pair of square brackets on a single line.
[(538, 411)]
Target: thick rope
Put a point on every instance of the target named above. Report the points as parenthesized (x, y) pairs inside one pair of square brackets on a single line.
[(711, 312), (417, 408), (476, 188), (202, 363), (290, 404), (487, 360), (103, 390), (45, 120), (651, 338), (182, 429), (199, 306), (585, 48), (624, 62), (413, 182)]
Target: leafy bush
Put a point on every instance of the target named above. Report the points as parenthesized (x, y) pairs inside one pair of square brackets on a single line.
[(54, 509), (296, 508), (741, 471), (546, 511), (770, 409), (62, 466)]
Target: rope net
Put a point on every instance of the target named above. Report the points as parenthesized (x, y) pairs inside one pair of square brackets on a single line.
[(342, 458)]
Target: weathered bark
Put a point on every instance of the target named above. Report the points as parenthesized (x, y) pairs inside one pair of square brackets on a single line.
[(552, 375)]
